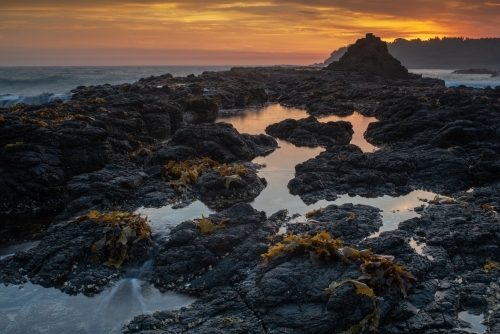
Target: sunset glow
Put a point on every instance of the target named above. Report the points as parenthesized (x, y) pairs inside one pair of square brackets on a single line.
[(262, 32)]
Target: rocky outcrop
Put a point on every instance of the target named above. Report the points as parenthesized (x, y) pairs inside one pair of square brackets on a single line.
[(219, 141), (65, 259), (346, 169), (370, 55), (310, 132), (220, 257), (43, 147)]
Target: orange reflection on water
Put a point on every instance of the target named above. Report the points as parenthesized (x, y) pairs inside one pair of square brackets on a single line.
[(254, 121)]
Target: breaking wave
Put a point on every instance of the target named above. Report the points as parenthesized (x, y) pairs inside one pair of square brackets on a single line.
[(10, 100)]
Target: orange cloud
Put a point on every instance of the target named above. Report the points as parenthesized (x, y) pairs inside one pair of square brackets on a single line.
[(293, 27)]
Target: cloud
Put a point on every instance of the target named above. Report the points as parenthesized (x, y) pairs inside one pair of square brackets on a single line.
[(276, 26)]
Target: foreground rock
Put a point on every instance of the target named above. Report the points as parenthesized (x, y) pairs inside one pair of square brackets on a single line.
[(67, 258), (310, 132), (287, 294)]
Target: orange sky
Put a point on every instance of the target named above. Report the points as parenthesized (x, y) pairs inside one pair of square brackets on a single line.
[(133, 32)]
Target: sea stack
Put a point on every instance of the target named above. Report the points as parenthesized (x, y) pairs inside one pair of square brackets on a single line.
[(370, 55)]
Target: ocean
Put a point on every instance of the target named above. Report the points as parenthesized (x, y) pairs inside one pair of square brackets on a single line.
[(37, 85), (43, 84)]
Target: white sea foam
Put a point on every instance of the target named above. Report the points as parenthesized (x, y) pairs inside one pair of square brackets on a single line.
[(456, 79), (9, 100)]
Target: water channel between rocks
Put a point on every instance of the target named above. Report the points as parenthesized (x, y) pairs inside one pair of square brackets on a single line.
[(280, 169), (34, 309)]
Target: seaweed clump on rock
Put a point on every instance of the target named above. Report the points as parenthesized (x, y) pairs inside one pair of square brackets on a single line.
[(370, 55)]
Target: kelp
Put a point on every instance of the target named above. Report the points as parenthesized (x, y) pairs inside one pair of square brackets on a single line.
[(487, 207), (490, 265), (183, 174), (52, 116), (236, 169), (17, 107), (351, 217), (229, 321), (447, 200), (380, 271), (16, 144), (141, 149), (383, 271), (361, 289), (207, 226), (312, 213), (121, 231), (320, 246), (97, 100)]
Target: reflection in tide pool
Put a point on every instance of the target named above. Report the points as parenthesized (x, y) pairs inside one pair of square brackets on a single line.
[(420, 248), (163, 219), (255, 120), (475, 321), (280, 168), (34, 309)]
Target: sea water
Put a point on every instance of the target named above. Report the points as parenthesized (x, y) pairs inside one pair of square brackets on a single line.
[(456, 79), (37, 85)]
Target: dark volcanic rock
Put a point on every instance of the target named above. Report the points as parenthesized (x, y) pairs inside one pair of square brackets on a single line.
[(310, 132), (272, 291), (63, 259), (43, 146), (223, 311), (218, 192), (222, 257), (219, 141), (346, 169), (201, 109), (370, 55), (287, 294)]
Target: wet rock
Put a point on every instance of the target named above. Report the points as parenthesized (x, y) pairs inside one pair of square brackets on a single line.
[(310, 132), (287, 293), (116, 186), (201, 109), (346, 169), (220, 142), (223, 311), (63, 259), (217, 192), (218, 258)]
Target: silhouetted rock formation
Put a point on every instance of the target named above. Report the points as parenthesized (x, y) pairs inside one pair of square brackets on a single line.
[(448, 52), (370, 55)]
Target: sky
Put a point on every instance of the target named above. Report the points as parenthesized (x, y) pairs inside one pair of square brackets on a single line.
[(220, 32)]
